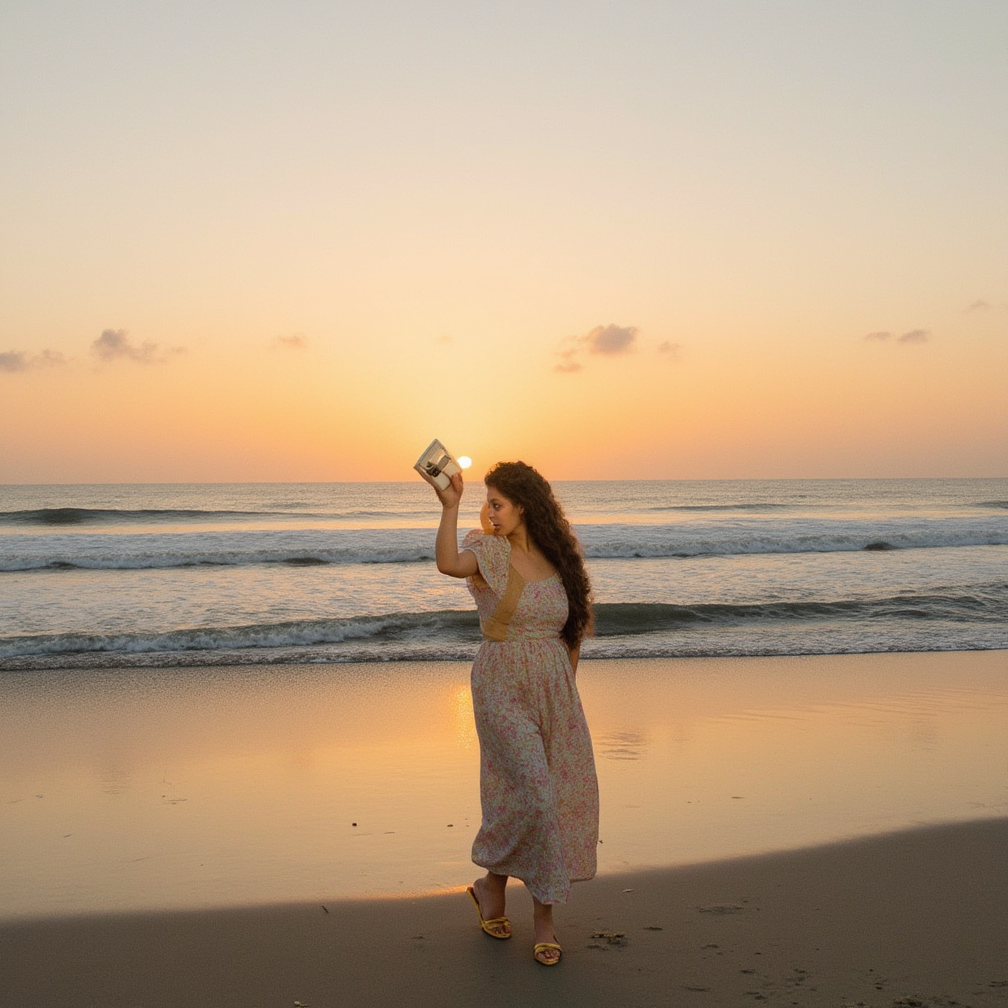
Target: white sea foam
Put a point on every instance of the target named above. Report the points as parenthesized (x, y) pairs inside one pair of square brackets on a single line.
[(683, 538), (340, 572), (629, 628)]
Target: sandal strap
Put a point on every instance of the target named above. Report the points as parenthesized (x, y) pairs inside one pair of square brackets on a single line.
[(542, 951)]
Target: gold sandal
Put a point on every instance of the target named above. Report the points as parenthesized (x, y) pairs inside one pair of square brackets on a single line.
[(495, 925), (542, 947)]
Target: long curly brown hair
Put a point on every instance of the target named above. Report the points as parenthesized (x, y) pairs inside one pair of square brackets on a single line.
[(551, 532)]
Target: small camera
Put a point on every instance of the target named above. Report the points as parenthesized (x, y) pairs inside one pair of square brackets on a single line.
[(438, 463)]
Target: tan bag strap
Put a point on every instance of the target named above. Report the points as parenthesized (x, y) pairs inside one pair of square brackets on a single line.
[(496, 626)]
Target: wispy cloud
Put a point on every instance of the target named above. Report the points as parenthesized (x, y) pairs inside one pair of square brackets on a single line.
[(115, 344), (978, 305), (296, 341), (445, 339), (13, 361), (913, 336), (568, 364), (609, 341), (669, 349)]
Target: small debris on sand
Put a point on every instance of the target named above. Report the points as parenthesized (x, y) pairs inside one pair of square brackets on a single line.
[(612, 937)]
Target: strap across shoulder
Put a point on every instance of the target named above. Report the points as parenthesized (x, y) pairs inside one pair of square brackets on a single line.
[(495, 628)]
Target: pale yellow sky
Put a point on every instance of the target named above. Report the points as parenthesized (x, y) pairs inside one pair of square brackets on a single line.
[(295, 242)]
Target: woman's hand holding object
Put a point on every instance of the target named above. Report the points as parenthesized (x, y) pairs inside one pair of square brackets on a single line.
[(451, 496)]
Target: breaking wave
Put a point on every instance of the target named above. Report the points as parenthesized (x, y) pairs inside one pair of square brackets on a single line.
[(304, 547), (72, 516), (620, 628)]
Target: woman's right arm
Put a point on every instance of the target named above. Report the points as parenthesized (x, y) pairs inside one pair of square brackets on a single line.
[(449, 560)]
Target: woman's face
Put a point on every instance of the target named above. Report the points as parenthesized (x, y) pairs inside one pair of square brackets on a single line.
[(502, 514)]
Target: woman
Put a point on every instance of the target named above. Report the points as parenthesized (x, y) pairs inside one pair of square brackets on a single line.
[(538, 787)]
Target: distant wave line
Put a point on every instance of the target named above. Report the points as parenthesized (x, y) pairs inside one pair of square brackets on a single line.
[(757, 508), (175, 561), (68, 517), (369, 554), (59, 517)]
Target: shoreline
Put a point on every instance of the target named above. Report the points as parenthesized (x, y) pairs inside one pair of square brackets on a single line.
[(917, 917), (280, 657)]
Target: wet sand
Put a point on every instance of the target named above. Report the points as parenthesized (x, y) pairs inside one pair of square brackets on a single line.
[(257, 837), (153, 790), (916, 918)]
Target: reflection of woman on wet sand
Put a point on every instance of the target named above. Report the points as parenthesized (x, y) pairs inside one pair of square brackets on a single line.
[(537, 773)]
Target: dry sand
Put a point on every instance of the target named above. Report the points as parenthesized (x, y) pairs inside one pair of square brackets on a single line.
[(912, 918)]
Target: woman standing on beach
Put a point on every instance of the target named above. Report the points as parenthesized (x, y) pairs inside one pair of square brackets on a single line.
[(538, 788)]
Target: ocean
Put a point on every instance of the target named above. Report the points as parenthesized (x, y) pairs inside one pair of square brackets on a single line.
[(168, 575)]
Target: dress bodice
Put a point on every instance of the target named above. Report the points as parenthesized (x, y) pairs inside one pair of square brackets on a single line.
[(541, 611)]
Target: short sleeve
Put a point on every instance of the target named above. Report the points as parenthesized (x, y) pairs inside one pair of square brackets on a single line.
[(493, 554)]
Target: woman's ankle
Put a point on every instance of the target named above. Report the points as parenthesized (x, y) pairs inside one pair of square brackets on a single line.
[(494, 883)]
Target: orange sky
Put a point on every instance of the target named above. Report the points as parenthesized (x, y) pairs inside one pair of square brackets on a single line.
[(296, 243)]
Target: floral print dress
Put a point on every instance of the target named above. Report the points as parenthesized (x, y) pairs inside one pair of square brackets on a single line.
[(538, 787)]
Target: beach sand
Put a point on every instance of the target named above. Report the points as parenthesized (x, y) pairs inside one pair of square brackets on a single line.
[(803, 831), (910, 919)]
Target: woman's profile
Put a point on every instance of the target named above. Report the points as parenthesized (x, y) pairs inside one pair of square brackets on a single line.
[(538, 789)]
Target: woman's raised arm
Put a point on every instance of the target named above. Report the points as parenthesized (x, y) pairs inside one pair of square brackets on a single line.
[(449, 560)]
